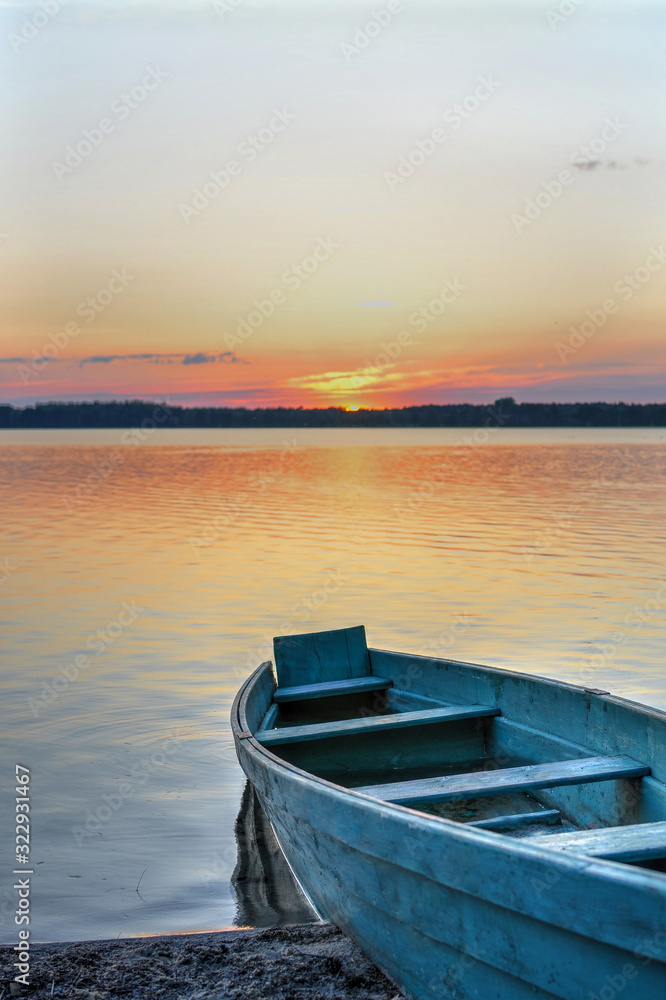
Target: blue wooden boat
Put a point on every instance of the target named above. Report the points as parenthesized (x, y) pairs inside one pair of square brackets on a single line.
[(480, 833)]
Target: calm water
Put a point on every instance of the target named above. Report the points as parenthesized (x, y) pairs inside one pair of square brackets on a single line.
[(168, 565)]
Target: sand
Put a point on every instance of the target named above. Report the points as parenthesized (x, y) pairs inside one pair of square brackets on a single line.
[(304, 962)]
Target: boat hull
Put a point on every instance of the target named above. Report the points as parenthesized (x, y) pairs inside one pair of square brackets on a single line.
[(452, 912)]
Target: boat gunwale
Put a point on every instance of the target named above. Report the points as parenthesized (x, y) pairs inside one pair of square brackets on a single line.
[(644, 888), (503, 672), (352, 820)]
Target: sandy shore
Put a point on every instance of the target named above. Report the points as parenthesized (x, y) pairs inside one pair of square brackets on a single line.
[(305, 962)]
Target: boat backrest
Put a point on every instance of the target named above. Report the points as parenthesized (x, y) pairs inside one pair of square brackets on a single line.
[(318, 657)]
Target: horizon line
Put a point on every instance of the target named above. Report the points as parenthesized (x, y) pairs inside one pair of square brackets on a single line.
[(507, 400)]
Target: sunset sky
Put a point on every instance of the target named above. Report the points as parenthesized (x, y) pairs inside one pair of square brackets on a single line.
[(368, 239)]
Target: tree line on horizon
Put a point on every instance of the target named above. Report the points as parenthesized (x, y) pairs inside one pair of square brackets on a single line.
[(504, 412)]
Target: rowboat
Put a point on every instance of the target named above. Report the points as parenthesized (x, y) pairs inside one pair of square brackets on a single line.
[(480, 833)]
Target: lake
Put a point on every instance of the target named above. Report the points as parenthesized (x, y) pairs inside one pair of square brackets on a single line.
[(143, 575)]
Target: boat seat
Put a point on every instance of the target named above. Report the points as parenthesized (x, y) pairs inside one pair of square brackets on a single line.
[(638, 842), (541, 817), (330, 689), (321, 657), (511, 779), (373, 724)]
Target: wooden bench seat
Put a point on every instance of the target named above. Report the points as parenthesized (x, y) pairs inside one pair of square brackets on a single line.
[(512, 779), (330, 689), (638, 842), (541, 817), (373, 724)]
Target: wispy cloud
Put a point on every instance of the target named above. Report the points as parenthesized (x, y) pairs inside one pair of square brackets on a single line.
[(344, 382), (204, 359), (438, 382), (637, 161), (197, 358)]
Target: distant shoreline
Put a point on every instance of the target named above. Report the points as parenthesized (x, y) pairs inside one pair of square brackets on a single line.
[(505, 412)]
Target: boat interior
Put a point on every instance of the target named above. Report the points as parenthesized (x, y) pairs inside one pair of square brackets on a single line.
[(483, 764)]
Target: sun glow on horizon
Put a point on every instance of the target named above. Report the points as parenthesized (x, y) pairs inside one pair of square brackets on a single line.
[(315, 276)]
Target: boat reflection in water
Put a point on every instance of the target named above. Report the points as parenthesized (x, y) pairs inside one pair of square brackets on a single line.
[(266, 891)]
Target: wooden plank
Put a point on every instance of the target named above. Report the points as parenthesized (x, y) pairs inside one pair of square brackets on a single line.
[(408, 701), (305, 692), (377, 723), (541, 816), (269, 719), (617, 843), (317, 657), (379, 756), (511, 779), (593, 806), (604, 724)]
